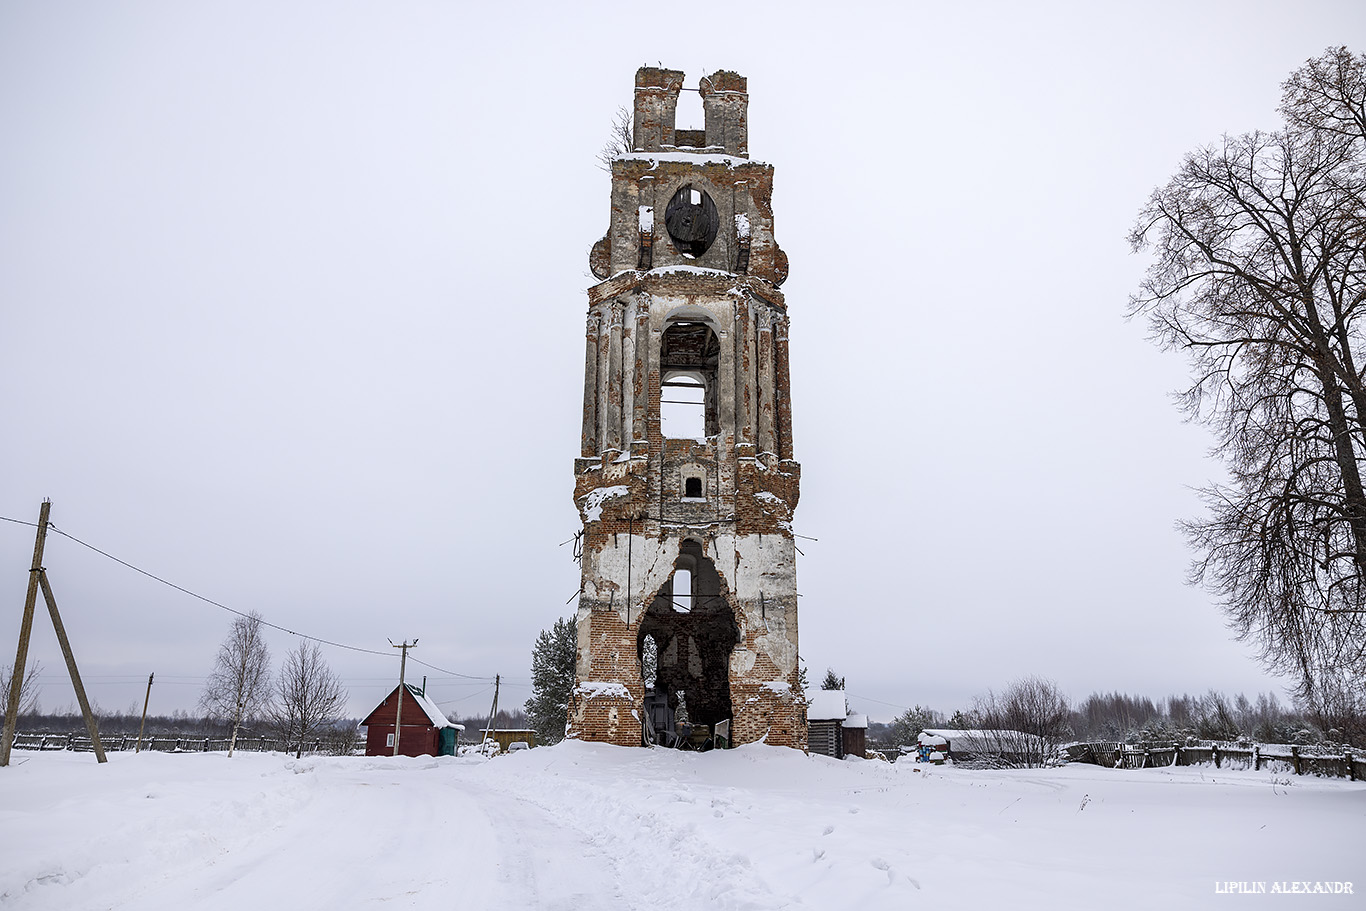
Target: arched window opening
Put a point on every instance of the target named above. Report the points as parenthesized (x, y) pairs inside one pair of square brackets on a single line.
[(692, 488), (688, 360), (683, 414), (682, 596)]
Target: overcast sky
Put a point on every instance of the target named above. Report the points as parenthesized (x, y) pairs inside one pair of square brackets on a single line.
[(291, 315)]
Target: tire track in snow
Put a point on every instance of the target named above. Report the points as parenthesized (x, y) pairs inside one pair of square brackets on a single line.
[(545, 864)]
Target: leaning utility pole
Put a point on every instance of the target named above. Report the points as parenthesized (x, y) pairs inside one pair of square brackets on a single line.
[(145, 701), (493, 712), (37, 579), (402, 669)]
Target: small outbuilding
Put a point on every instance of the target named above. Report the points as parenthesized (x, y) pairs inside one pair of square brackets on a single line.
[(831, 729), (506, 737), (426, 729), (983, 746), (854, 733)]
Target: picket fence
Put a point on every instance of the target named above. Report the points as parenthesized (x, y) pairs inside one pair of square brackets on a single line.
[(1286, 758), (80, 743)]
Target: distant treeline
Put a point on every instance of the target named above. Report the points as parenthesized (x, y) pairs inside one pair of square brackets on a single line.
[(514, 719), (185, 724), (177, 724), (1120, 717)]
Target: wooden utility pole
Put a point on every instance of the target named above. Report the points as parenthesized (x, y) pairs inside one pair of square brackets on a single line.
[(145, 701), (493, 712), (402, 669), (90, 726), (25, 630), (38, 580)]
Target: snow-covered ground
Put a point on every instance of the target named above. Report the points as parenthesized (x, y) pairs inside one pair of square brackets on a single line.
[(587, 827)]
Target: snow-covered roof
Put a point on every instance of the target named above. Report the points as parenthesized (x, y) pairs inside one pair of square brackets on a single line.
[(856, 720), (434, 714), (827, 705), (429, 708), (988, 741)]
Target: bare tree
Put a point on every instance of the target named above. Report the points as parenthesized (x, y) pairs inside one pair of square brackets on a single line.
[(28, 687), (1030, 719), (309, 696), (620, 141), (1259, 274), (239, 686)]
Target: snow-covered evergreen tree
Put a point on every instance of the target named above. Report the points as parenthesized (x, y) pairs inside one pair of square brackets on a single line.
[(552, 679)]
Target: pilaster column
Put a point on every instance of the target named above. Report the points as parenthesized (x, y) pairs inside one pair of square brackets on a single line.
[(767, 410), (725, 380), (640, 380), (590, 387), (782, 387), (614, 384), (746, 402), (604, 373), (628, 372)]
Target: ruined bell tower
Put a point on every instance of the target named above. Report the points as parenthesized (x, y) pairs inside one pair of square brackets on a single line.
[(686, 482)]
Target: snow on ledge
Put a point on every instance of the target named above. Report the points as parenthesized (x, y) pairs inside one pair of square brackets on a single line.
[(730, 161), (592, 503), (691, 270), (593, 689)]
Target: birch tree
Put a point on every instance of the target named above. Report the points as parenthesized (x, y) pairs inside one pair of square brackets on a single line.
[(239, 686), (309, 697)]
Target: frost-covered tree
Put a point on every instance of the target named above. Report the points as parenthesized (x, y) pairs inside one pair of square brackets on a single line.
[(238, 688), (832, 680), (28, 687), (552, 680), (1259, 275), (907, 726), (619, 140), (1031, 706), (310, 697)]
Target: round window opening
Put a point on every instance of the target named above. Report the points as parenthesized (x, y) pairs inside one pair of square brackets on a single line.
[(691, 221)]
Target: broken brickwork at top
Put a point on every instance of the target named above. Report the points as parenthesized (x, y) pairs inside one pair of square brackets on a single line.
[(688, 553)]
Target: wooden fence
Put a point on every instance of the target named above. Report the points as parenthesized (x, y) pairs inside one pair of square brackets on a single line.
[(1277, 757), (80, 743)]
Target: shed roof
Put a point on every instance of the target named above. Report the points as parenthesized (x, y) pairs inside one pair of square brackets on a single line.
[(433, 711), (984, 741), (827, 705), (435, 716)]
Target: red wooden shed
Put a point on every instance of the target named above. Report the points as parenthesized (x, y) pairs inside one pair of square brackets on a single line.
[(423, 723)]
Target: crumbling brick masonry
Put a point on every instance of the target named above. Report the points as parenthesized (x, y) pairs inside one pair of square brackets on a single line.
[(688, 307)]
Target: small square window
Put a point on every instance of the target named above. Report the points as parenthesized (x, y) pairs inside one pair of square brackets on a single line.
[(692, 487)]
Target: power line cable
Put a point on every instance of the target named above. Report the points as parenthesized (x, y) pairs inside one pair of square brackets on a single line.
[(444, 671), (264, 622), (221, 606)]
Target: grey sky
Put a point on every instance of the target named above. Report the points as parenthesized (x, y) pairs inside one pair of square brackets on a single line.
[(291, 314)]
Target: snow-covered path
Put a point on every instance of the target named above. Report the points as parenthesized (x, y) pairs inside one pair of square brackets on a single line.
[(589, 827), (197, 833)]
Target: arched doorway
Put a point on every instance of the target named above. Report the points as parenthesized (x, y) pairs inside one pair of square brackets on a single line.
[(693, 630)]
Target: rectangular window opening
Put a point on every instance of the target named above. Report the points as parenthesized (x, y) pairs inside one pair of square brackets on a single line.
[(683, 410)]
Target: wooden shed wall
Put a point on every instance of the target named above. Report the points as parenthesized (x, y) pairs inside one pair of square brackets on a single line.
[(416, 740)]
